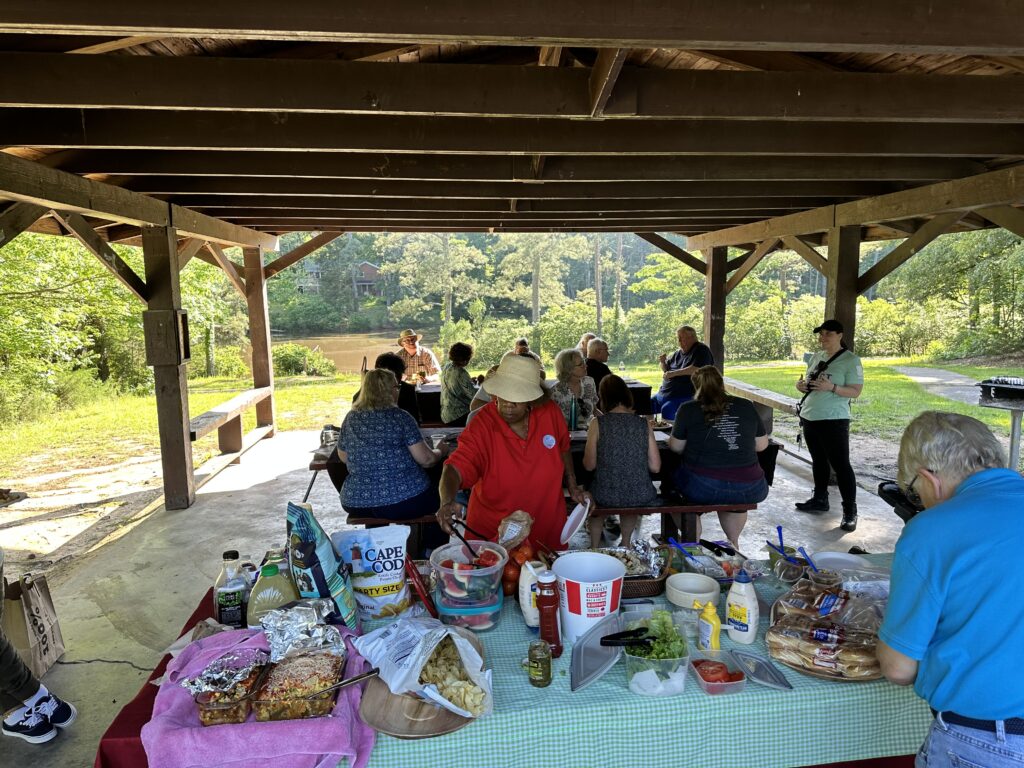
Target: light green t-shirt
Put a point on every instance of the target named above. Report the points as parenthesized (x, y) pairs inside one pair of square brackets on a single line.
[(843, 371)]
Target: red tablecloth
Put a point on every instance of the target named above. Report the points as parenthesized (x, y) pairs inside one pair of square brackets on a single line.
[(121, 745)]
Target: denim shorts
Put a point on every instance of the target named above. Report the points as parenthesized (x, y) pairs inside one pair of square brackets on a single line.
[(957, 746), (699, 489)]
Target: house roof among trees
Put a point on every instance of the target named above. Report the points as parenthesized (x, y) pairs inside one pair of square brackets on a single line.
[(663, 116)]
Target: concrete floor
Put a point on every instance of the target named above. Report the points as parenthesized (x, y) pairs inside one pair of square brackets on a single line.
[(121, 605)]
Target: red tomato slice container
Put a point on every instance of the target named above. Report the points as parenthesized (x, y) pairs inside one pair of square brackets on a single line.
[(721, 687)]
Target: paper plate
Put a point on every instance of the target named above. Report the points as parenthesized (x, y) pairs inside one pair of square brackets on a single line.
[(841, 561), (575, 522)]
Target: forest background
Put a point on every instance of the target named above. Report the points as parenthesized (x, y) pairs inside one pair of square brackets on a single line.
[(70, 333)]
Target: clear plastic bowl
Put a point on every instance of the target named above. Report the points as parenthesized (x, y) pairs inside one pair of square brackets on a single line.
[(478, 617), (720, 688), (461, 582), (655, 677)]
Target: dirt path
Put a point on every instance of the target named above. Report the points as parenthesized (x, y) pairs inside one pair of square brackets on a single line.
[(952, 386)]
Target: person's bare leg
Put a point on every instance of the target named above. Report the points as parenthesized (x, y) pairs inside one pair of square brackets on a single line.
[(732, 523), (596, 527), (699, 528), (628, 523)]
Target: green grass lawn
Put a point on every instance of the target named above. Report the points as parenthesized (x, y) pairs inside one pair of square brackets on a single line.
[(119, 427)]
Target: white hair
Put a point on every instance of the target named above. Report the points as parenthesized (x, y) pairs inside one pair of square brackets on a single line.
[(948, 444), (594, 344)]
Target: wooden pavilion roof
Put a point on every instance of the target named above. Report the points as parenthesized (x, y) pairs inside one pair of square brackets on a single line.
[(659, 116)]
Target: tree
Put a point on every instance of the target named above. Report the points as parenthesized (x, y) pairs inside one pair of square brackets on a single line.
[(437, 272), (533, 270)]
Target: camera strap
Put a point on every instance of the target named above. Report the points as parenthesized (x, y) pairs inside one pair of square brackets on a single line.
[(820, 369)]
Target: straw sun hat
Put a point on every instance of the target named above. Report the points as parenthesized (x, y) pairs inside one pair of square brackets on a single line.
[(516, 380), (409, 333)]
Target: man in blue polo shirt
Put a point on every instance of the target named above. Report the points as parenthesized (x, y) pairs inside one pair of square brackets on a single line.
[(677, 368), (953, 624)]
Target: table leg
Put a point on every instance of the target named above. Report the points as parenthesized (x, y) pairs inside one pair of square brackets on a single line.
[(310, 486), (1015, 419)]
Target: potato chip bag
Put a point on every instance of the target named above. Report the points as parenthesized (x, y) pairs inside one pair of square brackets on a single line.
[(377, 559)]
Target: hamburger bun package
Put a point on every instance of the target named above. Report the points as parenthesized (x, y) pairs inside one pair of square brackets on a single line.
[(377, 559), (424, 657)]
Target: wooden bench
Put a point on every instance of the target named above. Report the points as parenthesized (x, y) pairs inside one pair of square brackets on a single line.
[(766, 403), (226, 418), (688, 514)]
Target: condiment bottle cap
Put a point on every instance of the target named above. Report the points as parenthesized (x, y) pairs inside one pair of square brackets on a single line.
[(270, 569)]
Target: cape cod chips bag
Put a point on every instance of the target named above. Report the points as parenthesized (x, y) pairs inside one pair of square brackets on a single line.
[(377, 559)]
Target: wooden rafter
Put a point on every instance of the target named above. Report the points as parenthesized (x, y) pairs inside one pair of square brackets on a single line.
[(188, 249), (735, 262), (285, 260), (228, 267), (762, 250), (127, 128), (899, 255), (449, 168), (88, 237), (345, 87), (997, 188), (1005, 216), (675, 251), (25, 181), (769, 61), (941, 26), (603, 76), (118, 44), (17, 218), (806, 252)]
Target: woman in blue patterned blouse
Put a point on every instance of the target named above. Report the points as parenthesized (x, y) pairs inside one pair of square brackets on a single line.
[(386, 456)]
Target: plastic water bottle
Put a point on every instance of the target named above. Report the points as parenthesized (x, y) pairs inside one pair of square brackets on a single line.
[(622, 368)]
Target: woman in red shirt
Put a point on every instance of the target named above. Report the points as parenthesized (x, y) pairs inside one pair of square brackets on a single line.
[(513, 456)]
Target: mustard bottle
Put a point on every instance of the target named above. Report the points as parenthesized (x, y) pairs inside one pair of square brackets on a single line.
[(709, 626)]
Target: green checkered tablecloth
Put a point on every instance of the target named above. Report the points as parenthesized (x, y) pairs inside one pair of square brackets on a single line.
[(818, 722)]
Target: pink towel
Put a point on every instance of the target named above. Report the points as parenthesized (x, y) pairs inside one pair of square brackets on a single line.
[(174, 738)]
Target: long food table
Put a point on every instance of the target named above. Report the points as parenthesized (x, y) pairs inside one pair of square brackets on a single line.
[(819, 722)]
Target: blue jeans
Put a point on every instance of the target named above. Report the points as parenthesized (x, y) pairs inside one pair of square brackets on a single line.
[(699, 489), (956, 746), (667, 406)]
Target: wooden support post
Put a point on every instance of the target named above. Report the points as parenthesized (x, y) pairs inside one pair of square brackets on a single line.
[(229, 437), (17, 218), (259, 334), (841, 273), (167, 352), (714, 302)]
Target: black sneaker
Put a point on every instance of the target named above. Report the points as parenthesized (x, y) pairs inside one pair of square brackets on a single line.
[(59, 712), (813, 504), (33, 727)]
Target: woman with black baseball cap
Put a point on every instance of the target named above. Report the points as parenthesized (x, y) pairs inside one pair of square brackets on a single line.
[(834, 377)]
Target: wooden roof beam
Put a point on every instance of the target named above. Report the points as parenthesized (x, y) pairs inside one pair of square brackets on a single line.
[(806, 252), (17, 218), (674, 250), (941, 26), (88, 237), (344, 87), (902, 252), (285, 260), (785, 170), (117, 44), (230, 269), (996, 188), (146, 129), (744, 269), (1005, 216), (188, 249), (25, 181), (769, 61)]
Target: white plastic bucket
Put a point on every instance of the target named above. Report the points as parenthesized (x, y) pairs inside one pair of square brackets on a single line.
[(589, 588)]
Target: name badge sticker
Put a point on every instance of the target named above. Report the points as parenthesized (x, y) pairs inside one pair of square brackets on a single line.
[(549, 441)]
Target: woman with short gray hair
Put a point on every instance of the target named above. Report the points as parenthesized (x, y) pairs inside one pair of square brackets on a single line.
[(575, 392)]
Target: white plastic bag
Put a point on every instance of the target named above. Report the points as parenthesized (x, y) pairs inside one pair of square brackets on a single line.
[(402, 649)]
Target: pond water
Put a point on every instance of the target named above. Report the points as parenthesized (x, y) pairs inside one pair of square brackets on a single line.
[(348, 349)]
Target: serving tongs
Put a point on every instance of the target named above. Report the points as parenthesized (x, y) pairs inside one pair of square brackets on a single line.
[(631, 638), (345, 683), (461, 521)]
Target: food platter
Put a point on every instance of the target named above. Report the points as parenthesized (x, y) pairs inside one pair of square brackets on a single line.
[(406, 716)]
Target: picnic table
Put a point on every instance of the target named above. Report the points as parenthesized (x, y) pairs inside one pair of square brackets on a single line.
[(428, 398), (818, 723)]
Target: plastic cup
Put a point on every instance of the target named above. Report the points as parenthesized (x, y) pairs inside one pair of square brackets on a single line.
[(436, 439), (589, 588), (774, 556)]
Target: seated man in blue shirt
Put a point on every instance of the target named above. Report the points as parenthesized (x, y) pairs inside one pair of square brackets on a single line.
[(952, 626), (677, 368)]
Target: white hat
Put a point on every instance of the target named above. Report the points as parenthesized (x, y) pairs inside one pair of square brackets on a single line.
[(516, 380)]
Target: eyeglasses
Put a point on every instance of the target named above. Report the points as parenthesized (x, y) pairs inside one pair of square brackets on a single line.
[(913, 496)]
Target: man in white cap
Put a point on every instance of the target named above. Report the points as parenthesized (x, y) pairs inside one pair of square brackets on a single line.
[(420, 362)]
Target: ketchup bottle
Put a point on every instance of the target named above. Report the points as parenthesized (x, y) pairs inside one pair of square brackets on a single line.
[(547, 604)]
